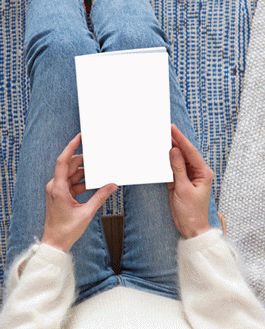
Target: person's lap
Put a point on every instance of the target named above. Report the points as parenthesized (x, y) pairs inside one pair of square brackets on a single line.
[(56, 32)]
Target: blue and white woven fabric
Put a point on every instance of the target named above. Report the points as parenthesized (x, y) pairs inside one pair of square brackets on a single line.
[(209, 41), (242, 199)]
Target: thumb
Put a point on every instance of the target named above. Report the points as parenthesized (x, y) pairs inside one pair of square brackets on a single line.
[(99, 198), (178, 166)]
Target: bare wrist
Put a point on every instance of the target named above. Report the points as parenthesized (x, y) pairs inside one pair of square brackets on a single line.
[(55, 245), (196, 232)]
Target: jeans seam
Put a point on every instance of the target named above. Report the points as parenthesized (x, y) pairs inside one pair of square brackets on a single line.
[(124, 222), (94, 2), (82, 12), (106, 288), (130, 280), (104, 242), (92, 22)]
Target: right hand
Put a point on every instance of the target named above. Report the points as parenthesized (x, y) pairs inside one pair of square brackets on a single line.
[(189, 194)]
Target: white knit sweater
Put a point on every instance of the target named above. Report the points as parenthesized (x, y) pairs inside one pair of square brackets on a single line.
[(214, 294)]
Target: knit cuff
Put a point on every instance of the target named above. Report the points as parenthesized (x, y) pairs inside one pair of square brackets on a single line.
[(46, 254), (200, 242), (17, 267), (23, 258), (37, 254)]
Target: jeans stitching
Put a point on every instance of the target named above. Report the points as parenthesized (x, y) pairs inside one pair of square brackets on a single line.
[(104, 288), (104, 242), (161, 289), (82, 11), (94, 2), (124, 222)]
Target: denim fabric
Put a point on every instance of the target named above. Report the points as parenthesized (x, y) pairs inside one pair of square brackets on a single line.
[(56, 31)]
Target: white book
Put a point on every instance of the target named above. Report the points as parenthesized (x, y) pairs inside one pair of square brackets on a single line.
[(124, 107)]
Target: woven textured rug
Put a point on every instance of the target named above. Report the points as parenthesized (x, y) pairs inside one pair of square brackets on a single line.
[(209, 41), (242, 198)]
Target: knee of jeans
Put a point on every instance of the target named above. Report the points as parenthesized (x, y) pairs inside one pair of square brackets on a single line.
[(56, 49), (136, 35)]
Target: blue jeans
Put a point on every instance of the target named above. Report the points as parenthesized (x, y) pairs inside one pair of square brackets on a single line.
[(56, 31)]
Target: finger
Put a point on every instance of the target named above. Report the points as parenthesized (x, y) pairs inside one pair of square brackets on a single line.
[(170, 185), (99, 198), (75, 163), (62, 162), (189, 151), (78, 189), (178, 166), (173, 138), (174, 141), (75, 179)]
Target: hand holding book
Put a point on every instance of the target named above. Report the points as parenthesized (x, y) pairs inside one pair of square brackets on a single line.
[(189, 194), (66, 219)]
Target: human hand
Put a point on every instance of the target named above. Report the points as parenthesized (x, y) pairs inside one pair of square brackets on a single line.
[(66, 219), (189, 194)]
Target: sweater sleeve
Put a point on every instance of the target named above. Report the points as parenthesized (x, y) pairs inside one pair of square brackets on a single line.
[(214, 293), (43, 294)]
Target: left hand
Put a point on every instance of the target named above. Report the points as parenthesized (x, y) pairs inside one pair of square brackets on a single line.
[(67, 219), (189, 194)]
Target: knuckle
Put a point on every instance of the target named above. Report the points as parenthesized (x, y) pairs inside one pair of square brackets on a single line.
[(48, 187), (101, 198), (56, 192), (177, 167)]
